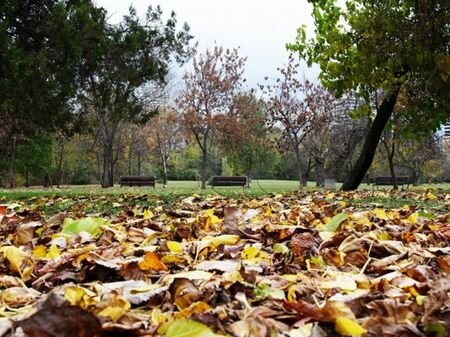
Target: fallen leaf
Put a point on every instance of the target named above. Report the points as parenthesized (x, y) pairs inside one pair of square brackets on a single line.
[(349, 327), (151, 261)]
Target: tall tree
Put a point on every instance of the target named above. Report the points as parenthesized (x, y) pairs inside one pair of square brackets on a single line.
[(298, 108), (383, 46), (132, 69), (209, 91), (244, 135), (44, 46), (164, 136)]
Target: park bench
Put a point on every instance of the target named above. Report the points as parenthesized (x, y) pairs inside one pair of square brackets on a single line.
[(228, 181), (137, 181), (401, 180)]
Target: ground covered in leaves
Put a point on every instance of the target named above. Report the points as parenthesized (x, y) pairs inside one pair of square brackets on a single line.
[(299, 265)]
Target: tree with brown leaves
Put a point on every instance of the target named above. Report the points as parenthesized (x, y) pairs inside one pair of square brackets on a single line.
[(164, 137), (209, 91), (297, 108)]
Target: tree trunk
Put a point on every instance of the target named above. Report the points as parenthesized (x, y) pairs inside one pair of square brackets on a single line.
[(164, 162), (320, 172), (12, 162), (107, 164), (60, 162), (111, 172), (129, 164), (365, 159), (139, 164), (27, 179), (392, 170), (203, 169), (306, 173), (300, 174), (47, 180)]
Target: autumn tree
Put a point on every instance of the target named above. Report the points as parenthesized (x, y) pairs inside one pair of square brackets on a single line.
[(244, 135), (209, 91), (332, 146), (298, 108), (132, 69), (387, 47), (164, 136)]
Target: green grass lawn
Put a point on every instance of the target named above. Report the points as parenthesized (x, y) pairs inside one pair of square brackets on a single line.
[(94, 199), (258, 187)]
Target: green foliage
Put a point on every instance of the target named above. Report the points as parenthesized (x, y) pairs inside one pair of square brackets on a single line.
[(44, 47), (35, 155), (89, 225), (368, 46)]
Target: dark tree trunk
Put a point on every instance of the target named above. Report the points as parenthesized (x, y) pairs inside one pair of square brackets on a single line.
[(392, 168), (320, 172), (12, 162), (139, 163), (107, 165), (390, 152), (129, 164), (60, 162), (307, 173), (365, 159), (300, 173), (47, 180), (164, 162), (204, 164), (27, 179)]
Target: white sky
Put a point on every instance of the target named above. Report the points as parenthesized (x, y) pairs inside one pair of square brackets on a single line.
[(260, 27)]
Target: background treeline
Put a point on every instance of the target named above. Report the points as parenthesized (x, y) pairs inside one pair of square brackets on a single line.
[(52, 158), (83, 101)]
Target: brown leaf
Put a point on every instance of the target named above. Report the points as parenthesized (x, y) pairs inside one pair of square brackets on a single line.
[(184, 293), (436, 299), (444, 263), (305, 310), (302, 242), (232, 214), (69, 321)]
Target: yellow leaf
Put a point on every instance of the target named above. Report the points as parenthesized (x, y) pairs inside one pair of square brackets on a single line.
[(19, 261), (348, 327), (175, 247), (250, 252), (148, 214), (152, 262), (419, 298), (318, 260), (158, 317), (171, 258), (211, 219), (194, 308), (413, 218), (74, 295), (53, 252), (430, 196), (380, 213), (384, 236), (213, 242), (39, 231), (40, 251), (117, 309)]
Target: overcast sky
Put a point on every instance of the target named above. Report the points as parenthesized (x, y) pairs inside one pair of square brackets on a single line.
[(260, 27)]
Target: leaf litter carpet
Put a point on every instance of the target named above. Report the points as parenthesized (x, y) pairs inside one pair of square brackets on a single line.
[(307, 264)]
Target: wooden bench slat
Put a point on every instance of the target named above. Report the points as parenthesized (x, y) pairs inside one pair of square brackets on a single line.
[(401, 180), (229, 181), (138, 181)]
